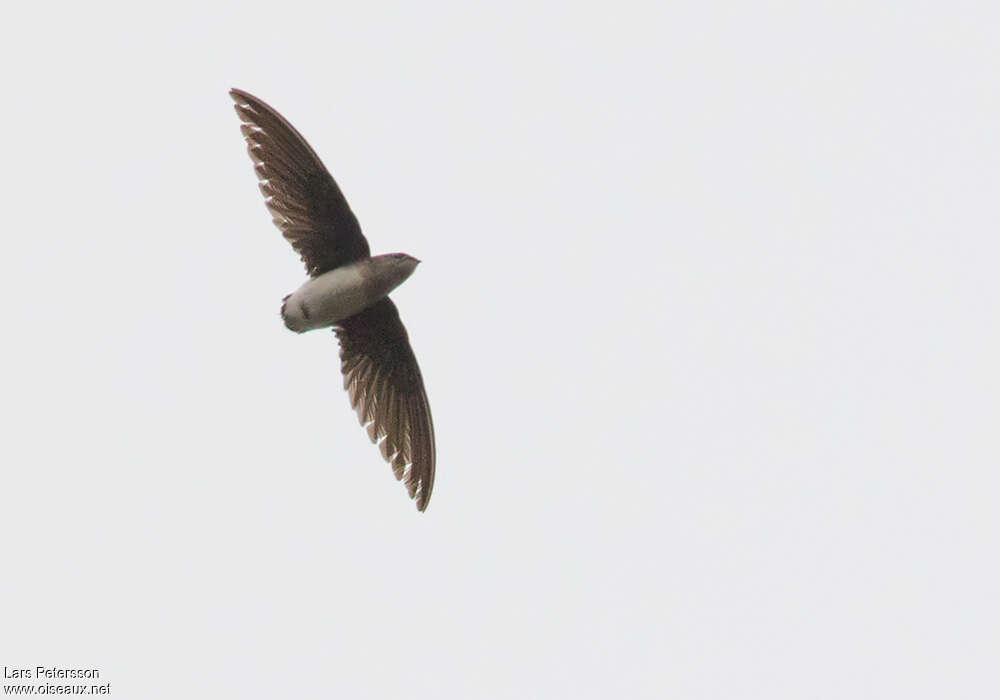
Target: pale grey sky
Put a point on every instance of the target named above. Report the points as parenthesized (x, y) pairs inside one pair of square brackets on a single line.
[(707, 318)]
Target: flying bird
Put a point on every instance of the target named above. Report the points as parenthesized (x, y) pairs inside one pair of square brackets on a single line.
[(347, 290)]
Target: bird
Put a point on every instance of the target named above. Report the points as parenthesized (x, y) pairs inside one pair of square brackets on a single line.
[(347, 290)]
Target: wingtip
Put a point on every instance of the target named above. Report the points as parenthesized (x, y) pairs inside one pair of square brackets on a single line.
[(240, 95), (423, 498)]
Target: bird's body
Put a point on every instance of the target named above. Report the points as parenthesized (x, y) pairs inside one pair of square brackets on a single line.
[(347, 290), (344, 291)]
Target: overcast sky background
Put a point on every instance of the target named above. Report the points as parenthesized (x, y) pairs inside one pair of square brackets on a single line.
[(707, 318)]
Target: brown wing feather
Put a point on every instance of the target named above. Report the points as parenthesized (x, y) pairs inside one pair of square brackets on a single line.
[(300, 193), (385, 387)]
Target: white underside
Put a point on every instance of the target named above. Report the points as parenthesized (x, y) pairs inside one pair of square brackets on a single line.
[(329, 298)]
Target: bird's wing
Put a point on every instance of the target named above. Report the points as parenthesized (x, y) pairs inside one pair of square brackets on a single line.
[(305, 201), (387, 391)]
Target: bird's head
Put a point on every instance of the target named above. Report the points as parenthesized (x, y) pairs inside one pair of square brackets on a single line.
[(394, 268), (404, 262)]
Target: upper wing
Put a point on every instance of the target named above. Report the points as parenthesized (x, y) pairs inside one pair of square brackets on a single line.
[(387, 391), (306, 203)]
